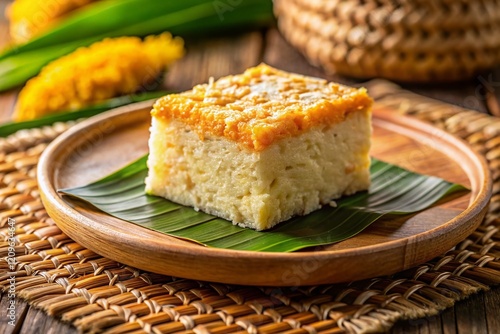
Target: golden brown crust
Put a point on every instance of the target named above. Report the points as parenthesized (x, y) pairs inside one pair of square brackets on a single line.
[(261, 105)]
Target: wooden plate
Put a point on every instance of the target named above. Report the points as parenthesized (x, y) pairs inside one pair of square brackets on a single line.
[(105, 143)]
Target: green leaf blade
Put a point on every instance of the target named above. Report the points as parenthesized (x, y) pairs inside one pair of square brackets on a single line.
[(114, 18), (7, 129), (393, 191)]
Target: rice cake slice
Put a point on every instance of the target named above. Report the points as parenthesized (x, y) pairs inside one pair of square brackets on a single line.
[(260, 147)]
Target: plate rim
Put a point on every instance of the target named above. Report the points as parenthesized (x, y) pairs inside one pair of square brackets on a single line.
[(477, 207)]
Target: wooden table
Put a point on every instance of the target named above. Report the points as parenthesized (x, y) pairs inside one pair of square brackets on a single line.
[(226, 55)]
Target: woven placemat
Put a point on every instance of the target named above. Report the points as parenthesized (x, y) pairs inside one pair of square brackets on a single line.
[(96, 294)]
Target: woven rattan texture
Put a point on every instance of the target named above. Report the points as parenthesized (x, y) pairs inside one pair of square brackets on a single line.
[(99, 295), (405, 40)]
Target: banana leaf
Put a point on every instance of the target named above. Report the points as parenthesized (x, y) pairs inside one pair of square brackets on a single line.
[(113, 18), (7, 129), (394, 191)]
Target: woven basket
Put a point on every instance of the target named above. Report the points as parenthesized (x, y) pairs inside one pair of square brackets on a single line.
[(403, 40)]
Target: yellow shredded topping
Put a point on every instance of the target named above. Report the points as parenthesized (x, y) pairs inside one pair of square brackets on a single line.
[(29, 18), (262, 105), (106, 69)]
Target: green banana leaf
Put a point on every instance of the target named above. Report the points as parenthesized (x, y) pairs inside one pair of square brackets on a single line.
[(7, 129), (113, 18), (393, 191)]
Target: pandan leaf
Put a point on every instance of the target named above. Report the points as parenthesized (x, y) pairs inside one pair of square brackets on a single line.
[(113, 18), (12, 127)]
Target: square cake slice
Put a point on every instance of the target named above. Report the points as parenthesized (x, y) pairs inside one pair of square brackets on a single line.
[(260, 147)]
